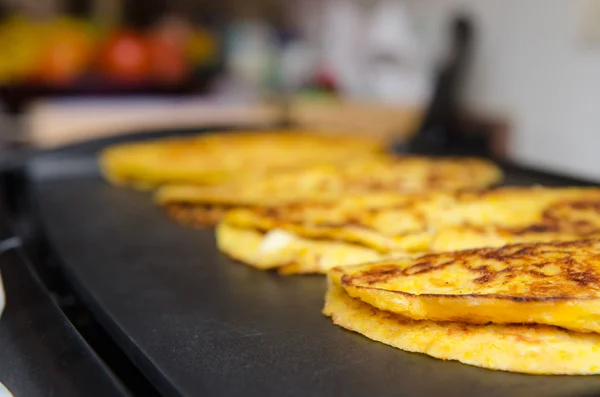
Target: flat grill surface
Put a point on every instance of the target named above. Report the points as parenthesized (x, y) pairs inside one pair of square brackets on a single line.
[(197, 323)]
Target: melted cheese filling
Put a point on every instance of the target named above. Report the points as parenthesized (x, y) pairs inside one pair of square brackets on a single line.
[(276, 240)]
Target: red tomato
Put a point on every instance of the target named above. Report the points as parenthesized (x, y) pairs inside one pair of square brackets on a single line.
[(125, 57), (169, 62)]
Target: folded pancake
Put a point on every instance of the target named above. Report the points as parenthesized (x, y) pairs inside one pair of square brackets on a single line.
[(313, 238), (532, 349), (214, 158), (326, 183), (555, 283)]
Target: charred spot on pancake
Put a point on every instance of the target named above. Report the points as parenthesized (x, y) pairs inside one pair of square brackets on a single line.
[(371, 276), (425, 266), (485, 278), (583, 205), (271, 212), (354, 222), (195, 215), (435, 177), (582, 278), (536, 228)]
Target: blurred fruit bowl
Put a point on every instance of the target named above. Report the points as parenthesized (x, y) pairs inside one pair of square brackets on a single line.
[(67, 56)]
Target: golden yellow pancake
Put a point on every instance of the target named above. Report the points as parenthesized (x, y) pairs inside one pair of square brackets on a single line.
[(556, 283), (200, 205), (531, 349), (392, 225), (214, 158)]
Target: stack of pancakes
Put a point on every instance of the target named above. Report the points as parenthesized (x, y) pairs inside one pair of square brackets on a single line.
[(527, 307), (313, 238), (325, 183), (421, 253), (531, 308), (200, 178)]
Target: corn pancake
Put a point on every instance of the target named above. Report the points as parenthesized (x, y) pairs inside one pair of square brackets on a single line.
[(555, 283), (296, 254), (215, 158), (392, 226), (201, 205), (531, 349)]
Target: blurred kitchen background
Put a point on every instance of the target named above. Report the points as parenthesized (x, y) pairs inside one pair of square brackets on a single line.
[(524, 75)]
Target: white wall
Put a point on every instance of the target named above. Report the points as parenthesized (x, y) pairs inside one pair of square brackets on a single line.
[(534, 67)]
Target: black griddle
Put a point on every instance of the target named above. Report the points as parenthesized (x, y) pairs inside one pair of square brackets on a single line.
[(199, 324), (42, 354)]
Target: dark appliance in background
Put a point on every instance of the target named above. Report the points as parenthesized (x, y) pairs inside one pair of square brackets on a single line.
[(444, 130)]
